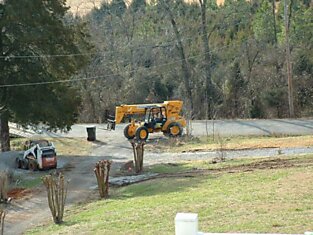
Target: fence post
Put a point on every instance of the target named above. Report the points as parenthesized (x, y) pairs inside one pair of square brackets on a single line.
[(186, 224)]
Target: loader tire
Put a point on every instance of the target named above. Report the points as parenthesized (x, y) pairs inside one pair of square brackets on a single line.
[(142, 133), (174, 129), (127, 134)]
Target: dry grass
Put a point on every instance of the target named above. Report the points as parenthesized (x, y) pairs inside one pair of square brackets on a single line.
[(235, 143), (64, 146), (72, 146)]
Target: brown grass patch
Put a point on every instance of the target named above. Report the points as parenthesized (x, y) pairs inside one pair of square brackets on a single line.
[(232, 143), (267, 164), (64, 146)]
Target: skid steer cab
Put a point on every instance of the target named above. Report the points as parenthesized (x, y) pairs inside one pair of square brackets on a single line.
[(38, 155), (164, 117)]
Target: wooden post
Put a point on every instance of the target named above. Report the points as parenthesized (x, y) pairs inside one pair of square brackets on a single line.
[(56, 192), (2, 216), (102, 171), (138, 150), (186, 224)]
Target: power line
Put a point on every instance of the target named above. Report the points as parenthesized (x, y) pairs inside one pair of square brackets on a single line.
[(44, 56), (97, 77), (110, 75)]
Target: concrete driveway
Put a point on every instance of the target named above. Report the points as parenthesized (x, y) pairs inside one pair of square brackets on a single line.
[(221, 127), (254, 127)]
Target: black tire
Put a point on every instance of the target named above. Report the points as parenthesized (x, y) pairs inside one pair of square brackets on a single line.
[(178, 129), (126, 133), (32, 165), (142, 133), (18, 163), (24, 164)]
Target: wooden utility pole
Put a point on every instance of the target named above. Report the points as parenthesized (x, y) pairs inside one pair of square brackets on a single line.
[(288, 62)]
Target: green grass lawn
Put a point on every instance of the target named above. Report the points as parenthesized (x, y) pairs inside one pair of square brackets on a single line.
[(256, 195), (30, 183)]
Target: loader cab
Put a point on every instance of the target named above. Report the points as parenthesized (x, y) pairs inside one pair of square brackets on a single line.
[(155, 117)]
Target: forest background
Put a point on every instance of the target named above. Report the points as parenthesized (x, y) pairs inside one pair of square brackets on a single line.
[(224, 61), (236, 59)]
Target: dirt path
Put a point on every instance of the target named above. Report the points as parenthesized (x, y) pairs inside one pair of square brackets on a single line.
[(33, 209)]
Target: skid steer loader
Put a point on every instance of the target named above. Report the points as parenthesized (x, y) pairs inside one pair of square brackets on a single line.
[(38, 155), (157, 117)]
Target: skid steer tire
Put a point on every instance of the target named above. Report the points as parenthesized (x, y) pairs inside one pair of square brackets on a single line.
[(18, 163), (126, 133), (24, 164), (32, 165), (142, 133), (174, 129)]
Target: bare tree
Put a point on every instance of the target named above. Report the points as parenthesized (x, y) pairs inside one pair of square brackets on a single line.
[(57, 191), (184, 62), (2, 217), (207, 55), (102, 171), (138, 150), (221, 151), (287, 15)]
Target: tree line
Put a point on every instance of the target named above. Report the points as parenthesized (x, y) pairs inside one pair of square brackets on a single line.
[(226, 61)]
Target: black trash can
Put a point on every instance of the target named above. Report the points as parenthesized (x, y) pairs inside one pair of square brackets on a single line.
[(91, 131)]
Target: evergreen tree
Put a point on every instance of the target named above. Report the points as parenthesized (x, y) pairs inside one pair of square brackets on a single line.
[(33, 42), (234, 91)]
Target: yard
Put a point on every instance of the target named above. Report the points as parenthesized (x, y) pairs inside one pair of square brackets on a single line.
[(251, 195)]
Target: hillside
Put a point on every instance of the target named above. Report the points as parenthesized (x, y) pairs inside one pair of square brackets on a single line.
[(82, 7)]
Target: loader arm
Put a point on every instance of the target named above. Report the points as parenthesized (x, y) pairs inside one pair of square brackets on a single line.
[(124, 110)]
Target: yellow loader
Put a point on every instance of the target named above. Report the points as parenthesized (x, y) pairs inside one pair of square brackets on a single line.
[(163, 117)]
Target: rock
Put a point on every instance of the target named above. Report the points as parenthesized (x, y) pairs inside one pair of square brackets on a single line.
[(126, 180)]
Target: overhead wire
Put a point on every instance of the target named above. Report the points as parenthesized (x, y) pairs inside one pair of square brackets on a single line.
[(111, 75), (168, 43), (116, 61)]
